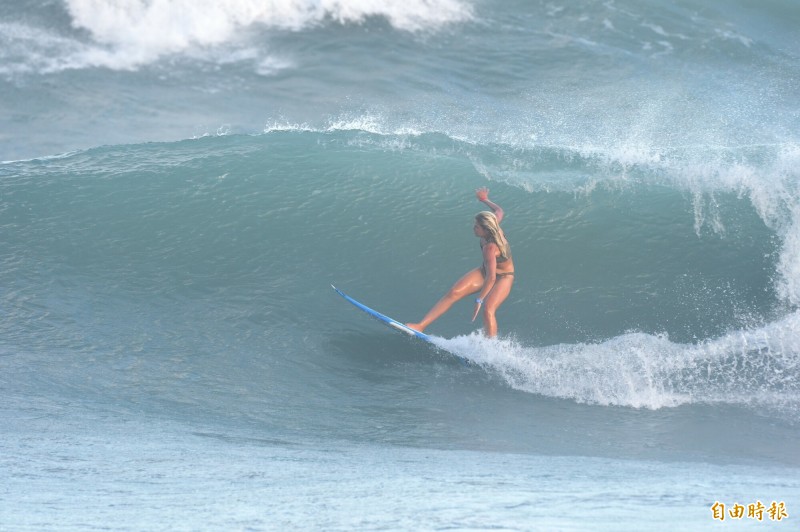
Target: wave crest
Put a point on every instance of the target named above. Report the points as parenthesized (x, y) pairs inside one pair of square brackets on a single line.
[(142, 31)]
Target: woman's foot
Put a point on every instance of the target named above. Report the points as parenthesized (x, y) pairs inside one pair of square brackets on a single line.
[(416, 326)]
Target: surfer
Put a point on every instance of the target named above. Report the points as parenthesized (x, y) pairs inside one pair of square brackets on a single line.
[(492, 281)]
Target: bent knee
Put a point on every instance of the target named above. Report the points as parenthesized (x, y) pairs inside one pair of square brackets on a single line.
[(453, 294)]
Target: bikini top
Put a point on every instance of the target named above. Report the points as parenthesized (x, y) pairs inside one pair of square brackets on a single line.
[(501, 258)]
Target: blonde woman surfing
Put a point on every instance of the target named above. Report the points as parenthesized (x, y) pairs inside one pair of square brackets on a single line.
[(492, 281)]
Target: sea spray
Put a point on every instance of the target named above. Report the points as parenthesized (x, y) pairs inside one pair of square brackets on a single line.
[(758, 368)]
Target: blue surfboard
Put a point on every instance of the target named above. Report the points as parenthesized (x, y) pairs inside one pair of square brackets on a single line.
[(394, 324)]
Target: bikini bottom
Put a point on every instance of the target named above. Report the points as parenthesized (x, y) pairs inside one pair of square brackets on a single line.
[(497, 275)]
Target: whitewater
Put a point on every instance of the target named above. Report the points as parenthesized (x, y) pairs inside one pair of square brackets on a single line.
[(181, 183)]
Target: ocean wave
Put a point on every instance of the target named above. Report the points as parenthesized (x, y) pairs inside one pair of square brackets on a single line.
[(180, 221), (766, 174), (141, 32), (130, 34)]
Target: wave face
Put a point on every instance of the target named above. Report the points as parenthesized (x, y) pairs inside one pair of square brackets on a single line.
[(184, 180), (646, 291)]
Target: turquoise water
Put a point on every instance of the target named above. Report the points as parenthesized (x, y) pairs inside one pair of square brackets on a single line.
[(175, 204)]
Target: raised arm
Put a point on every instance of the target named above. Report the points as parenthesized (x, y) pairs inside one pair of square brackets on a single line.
[(483, 196)]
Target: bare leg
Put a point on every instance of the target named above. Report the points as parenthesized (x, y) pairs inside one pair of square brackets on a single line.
[(499, 293), (470, 283)]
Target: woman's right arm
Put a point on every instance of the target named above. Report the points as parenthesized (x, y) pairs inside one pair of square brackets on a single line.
[(483, 196)]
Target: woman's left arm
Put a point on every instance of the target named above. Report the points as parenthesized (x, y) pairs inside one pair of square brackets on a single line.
[(490, 252)]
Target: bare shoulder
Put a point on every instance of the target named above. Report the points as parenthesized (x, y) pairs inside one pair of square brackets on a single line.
[(490, 249)]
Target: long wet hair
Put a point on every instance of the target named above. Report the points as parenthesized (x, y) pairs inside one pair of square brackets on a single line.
[(488, 221)]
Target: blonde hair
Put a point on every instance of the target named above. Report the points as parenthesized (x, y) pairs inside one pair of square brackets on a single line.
[(488, 221)]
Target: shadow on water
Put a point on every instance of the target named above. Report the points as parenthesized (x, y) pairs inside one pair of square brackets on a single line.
[(386, 348)]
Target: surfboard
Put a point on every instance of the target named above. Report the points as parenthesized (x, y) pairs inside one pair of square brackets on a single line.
[(389, 322)]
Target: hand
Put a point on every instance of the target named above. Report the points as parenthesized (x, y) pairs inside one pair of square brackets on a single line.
[(482, 194), (477, 310)]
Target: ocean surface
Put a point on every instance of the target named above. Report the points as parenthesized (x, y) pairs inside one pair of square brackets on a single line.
[(182, 181)]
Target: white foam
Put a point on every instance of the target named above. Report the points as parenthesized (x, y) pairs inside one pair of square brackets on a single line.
[(25, 49), (617, 372), (731, 35), (773, 188), (136, 32), (756, 367), (367, 123)]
